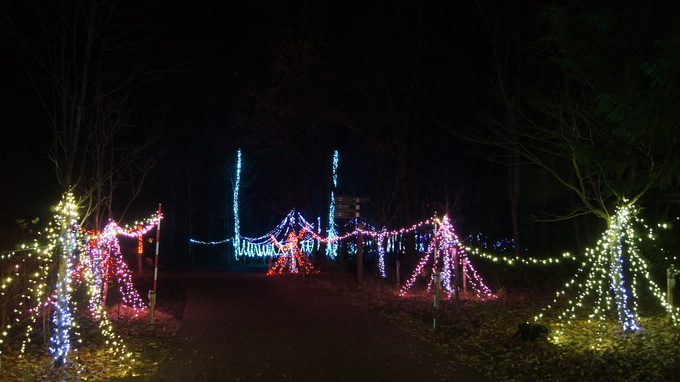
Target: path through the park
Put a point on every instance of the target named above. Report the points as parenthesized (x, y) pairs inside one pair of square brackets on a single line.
[(241, 325)]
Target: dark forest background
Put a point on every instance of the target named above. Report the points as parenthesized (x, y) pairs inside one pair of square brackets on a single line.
[(463, 108)]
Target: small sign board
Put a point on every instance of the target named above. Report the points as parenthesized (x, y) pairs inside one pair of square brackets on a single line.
[(347, 207), (340, 199), (346, 214)]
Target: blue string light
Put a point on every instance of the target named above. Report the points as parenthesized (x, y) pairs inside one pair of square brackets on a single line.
[(332, 247), (237, 223)]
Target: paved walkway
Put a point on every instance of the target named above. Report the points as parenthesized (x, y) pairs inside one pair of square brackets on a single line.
[(241, 325)]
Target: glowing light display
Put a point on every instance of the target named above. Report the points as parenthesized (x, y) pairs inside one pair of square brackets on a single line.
[(614, 270), (381, 254), (264, 246), (66, 248), (237, 221), (332, 233), (445, 254), (611, 277), (82, 260), (519, 260), (293, 259)]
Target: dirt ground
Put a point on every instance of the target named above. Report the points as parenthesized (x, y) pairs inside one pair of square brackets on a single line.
[(241, 325)]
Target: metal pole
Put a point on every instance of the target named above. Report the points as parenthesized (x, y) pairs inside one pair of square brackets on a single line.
[(437, 277), (462, 271), (152, 293), (437, 281)]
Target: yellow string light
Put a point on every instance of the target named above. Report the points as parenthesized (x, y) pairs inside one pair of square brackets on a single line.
[(613, 274), (65, 248)]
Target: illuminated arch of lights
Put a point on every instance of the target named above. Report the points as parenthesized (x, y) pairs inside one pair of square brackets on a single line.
[(83, 259)]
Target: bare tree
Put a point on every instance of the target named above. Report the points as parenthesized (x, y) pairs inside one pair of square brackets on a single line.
[(82, 64), (504, 38)]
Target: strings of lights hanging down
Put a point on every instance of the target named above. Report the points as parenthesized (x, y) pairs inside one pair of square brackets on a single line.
[(445, 254), (611, 278), (78, 260)]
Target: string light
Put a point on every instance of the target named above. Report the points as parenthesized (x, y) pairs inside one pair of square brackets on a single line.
[(237, 222), (82, 259), (381, 254), (292, 259), (264, 246), (194, 241), (521, 260), (612, 276), (444, 253), (67, 247), (332, 233)]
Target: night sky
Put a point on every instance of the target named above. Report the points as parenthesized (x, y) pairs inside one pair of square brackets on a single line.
[(386, 83)]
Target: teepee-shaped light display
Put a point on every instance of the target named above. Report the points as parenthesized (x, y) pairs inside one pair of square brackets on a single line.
[(68, 257), (105, 260), (292, 259), (615, 272), (446, 254)]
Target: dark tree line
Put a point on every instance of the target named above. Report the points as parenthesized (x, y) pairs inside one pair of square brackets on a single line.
[(504, 115), (518, 120)]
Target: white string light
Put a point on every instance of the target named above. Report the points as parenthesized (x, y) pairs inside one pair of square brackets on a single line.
[(612, 275)]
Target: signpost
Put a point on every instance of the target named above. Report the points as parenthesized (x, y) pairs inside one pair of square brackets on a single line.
[(349, 207)]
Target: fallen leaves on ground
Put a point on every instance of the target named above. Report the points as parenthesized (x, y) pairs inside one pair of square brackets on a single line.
[(90, 361), (482, 335)]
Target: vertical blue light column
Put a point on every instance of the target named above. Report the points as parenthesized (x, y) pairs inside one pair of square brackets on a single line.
[(332, 246), (237, 222)]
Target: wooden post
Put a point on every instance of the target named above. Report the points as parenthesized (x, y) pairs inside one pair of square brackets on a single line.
[(398, 270), (670, 284), (360, 256), (456, 274), (462, 271)]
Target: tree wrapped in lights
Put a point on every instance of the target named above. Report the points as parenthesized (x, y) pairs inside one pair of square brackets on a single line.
[(612, 276), (445, 254), (65, 252), (70, 258), (332, 233)]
